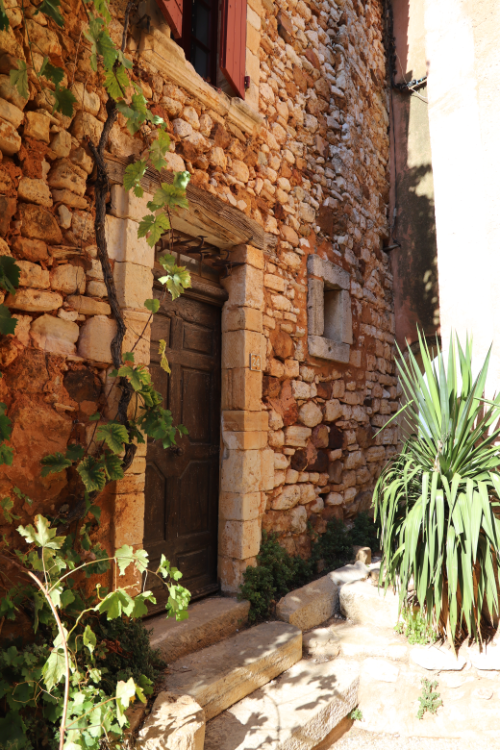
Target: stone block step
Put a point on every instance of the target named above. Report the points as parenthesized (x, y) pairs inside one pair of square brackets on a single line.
[(295, 712), (209, 622), (310, 605), (219, 676), (365, 604)]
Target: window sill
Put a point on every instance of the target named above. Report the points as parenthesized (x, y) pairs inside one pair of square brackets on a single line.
[(162, 55), (324, 348)]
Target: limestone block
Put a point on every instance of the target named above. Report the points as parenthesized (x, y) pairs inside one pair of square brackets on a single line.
[(244, 421), (137, 336), (33, 275), (10, 140), (129, 515), (45, 41), (334, 276), (333, 410), (37, 126), (95, 271), (209, 622), (249, 255), (65, 175), (126, 205), (297, 436), (242, 471), (239, 539), (88, 100), (310, 414), (246, 287), (365, 604), (61, 144), (54, 334), (241, 389), (307, 493), (267, 482), (289, 498), (221, 675), (88, 305), (97, 289), (238, 346), (38, 223), (235, 506), (96, 336), (315, 307), (68, 279), (231, 572), (134, 284), (11, 113), (35, 191), (324, 348), (245, 440), (34, 300), (86, 125), (437, 658), (125, 245), (239, 318), (69, 199), (310, 605)]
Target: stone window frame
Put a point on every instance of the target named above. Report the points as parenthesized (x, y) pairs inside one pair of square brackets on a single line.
[(329, 312)]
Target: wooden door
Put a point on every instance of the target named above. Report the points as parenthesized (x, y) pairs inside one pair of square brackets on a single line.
[(182, 484)]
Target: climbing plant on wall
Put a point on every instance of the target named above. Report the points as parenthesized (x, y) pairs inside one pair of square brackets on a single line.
[(52, 689)]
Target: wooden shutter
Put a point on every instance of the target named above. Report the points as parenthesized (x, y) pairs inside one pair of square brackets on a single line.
[(172, 13), (233, 43)]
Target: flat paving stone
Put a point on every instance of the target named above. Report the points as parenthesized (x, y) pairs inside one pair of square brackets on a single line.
[(365, 604), (209, 622), (220, 675), (295, 712)]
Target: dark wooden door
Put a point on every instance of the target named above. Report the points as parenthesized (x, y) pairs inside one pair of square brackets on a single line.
[(182, 484)]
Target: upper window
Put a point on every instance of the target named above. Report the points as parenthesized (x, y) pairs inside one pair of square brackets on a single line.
[(329, 315), (213, 36)]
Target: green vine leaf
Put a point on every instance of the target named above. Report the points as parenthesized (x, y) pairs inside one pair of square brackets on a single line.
[(117, 82), (168, 196), (92, 474), (54, 669), (114, 435), (6, 455), (116, 604), (64, 101), (9, 273), (178, 277), (153, 227), (102, 8), (74, 452), (19, 79), (153, 305), (133, 175), (5, 423), (163, 357), (89, 639), (7, 504), (51, 9), (42, 535), (158, 149), (54, 463), (7, 322), (51, 72), (181, 180), (137, 376), (125, 691), (112, 466)]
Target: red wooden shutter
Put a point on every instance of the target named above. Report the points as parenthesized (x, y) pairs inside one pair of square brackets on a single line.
[(172, 13), (233, 43)]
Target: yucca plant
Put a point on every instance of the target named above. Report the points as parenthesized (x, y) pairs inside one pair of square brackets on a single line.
[(438, 500)]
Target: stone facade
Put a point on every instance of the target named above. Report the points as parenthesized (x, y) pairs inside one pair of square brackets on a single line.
[(306, 157)]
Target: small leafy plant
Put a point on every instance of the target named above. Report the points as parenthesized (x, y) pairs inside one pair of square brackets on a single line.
[(356, 714), (415, 627), (429, 700)]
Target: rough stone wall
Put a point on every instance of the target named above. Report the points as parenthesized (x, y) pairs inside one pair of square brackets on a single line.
[(305, 156)]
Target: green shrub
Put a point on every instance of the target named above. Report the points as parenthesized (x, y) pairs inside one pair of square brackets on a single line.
[(365, 532), (437, 502), (430, 700), (415, 628), (334, 547)]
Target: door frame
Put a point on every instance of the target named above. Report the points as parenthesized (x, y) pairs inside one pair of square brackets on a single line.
[(246, 461)]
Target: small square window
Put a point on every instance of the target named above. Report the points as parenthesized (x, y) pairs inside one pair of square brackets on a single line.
[(329, 314)]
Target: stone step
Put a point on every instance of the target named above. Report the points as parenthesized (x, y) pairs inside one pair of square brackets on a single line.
[(365, 604), (297, 711), (220, 675), (209, 622), (310, 605)]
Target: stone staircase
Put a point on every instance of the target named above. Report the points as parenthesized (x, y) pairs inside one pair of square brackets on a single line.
[(256, 688)]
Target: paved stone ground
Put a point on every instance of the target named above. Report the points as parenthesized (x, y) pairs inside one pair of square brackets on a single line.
[(359, 739)]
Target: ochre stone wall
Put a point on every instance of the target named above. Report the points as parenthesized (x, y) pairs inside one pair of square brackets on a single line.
[(306, 156)]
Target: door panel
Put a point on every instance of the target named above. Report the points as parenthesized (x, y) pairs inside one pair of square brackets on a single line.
[(182, 484)]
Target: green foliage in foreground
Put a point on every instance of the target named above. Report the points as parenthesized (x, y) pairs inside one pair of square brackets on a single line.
[(356, 715), (277, 572), (437, 501), (429, 700), (110, 660)]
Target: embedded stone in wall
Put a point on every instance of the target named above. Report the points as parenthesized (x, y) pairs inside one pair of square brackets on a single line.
[(34, 300), (134, 284), (65, 175), (11, 113), (310, 414), (125, 245), (54, 334), (37, 126), (33, 275), (39, 224), (10, 140), (88, 305), (68, 279), (96, 336), (34, 191)]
